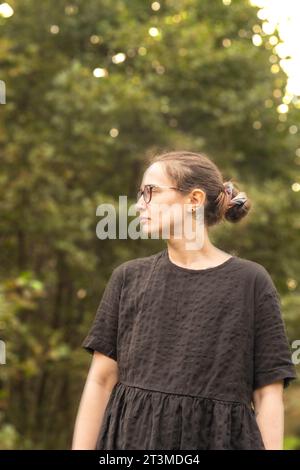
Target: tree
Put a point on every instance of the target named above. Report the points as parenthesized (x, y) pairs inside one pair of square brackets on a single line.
[(70, 140)]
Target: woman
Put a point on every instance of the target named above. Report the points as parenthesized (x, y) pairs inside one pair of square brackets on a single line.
[(189, 346)]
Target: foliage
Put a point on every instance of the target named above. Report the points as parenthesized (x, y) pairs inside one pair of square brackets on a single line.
[(199, 84)]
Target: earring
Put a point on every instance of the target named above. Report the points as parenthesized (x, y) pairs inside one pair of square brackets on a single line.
[(199, 213)]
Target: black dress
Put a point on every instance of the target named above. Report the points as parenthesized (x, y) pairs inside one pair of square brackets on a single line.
[(191, 347)]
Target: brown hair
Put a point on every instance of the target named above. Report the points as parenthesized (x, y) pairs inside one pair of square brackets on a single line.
[(190, 170)]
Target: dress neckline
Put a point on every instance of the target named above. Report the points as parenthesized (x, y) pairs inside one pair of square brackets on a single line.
[(174, 266)]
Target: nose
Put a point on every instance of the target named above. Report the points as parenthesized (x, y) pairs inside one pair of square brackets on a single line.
[(140, 204)]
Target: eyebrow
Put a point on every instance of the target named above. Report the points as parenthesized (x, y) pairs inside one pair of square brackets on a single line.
[(149, 184)]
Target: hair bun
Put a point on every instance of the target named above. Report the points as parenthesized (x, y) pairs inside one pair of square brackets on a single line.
[(238, 205), (228, 185), (239, 199)]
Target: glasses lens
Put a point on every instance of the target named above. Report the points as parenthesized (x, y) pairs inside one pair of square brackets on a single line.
[(147, 193)]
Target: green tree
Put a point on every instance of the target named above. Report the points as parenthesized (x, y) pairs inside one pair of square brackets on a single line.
[(194, 81)]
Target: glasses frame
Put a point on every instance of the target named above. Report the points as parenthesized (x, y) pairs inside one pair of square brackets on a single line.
[(151, 186)]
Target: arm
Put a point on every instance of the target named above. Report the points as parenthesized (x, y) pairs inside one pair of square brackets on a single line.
[(102, 376), (269, 412)]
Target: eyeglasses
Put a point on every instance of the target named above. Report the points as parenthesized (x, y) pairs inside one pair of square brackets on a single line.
[(147, 191)]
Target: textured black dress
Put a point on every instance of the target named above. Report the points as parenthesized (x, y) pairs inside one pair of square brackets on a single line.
[(191, 347)]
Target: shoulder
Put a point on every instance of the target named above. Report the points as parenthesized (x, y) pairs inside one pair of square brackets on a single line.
[(259, 275), (252, 267), (136, 265)]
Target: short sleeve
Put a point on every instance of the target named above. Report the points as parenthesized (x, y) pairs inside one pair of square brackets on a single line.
[(102, 336), (272, 353)]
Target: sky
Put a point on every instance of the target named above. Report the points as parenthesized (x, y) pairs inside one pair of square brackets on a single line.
[(284, 15)]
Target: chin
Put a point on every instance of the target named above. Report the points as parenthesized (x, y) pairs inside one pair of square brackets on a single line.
[(149, 228)]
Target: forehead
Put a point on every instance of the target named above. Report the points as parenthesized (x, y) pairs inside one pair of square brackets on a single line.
[(155, 174)]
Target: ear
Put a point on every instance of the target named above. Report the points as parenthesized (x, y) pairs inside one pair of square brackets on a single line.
[(197, 196)]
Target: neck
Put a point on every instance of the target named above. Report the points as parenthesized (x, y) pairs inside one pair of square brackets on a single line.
[(205, 254)]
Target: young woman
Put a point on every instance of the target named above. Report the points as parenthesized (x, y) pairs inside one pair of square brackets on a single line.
[(189, 347)]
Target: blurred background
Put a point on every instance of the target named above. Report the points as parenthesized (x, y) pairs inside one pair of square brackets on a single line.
[(92, 87)]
